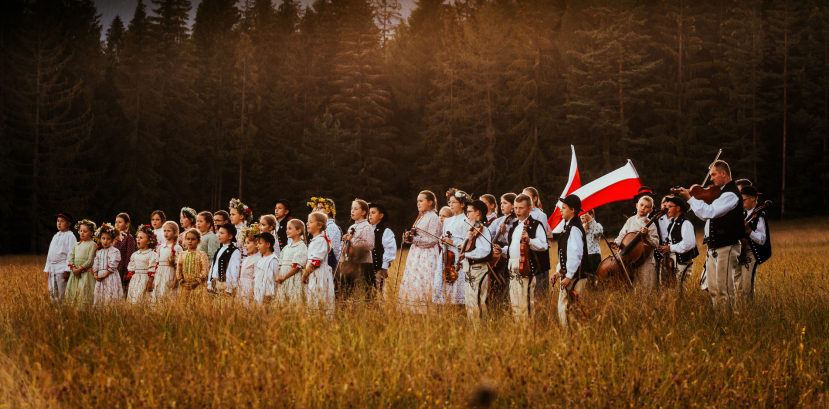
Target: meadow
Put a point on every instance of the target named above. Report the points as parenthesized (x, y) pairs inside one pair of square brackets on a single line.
[(637, 350)]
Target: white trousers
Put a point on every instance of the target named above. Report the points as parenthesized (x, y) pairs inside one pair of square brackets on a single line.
[(57, 286), (521, 291), (476, 287), (720, 267), (744, 277), (564, 300)]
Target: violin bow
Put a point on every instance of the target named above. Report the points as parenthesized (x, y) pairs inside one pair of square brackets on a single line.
[(491, 270), (708, 174), (435, 237), (479, 230)]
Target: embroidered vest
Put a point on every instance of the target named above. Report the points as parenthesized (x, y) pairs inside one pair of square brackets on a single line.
[(675, 236)]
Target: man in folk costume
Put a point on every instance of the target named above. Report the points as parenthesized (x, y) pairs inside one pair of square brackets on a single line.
[(724, 227), (759, 243), (385, 246), (572, 254), (476, 255), (643, 276), (680, 242), (530, 231)]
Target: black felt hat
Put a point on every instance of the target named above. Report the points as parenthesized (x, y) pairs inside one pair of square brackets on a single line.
[(66, 216), (750, 191), (574, 202), (480, 206), (683, 205)]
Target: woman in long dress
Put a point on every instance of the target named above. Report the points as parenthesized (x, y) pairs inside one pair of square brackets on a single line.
[(454, 230), (423, 259)]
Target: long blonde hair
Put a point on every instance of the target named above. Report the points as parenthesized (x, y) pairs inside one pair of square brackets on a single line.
[(172, 260), (301, 228), (322, 219)]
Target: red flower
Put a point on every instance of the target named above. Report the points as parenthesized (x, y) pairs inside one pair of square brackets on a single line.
[(316, 263), (130, 274)]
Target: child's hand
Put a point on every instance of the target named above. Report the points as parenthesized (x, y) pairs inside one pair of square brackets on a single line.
[(280, 280), (172, 284), (66, 275), (151, 285), (306, 277)]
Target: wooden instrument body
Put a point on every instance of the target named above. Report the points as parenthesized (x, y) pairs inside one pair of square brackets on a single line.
[(524, 266), (450, 272), (668, 271), (706, 194), (635, 250), (743, 258)]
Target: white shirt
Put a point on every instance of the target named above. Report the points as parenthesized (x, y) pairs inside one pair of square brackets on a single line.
[(264, 277), (575, 251), (663, 224), (159, 235), (716, 209), (689, 240), (539, 215), (537, 243), (335, 235), (57, 261), (759, 235), (318, 250), (482, 246), (389, 248), (234, 268)]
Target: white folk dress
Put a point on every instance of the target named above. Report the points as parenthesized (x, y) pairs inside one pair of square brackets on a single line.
[(247, 275), (57, 262), (165, 272), (422, 261), (159, 236), (290, 291), (109, 290), (451, 293), (320, 290), (142, 264), (264, 279), (240, 239)]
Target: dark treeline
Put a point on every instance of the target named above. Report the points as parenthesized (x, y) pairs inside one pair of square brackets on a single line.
[(345, 99)]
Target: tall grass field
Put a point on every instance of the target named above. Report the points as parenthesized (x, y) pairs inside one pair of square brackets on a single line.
[(636, 350)]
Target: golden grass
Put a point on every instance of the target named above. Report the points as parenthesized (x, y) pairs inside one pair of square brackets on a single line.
[(637, 350)]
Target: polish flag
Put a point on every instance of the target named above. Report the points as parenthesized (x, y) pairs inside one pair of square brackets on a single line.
[(573, 183), (621, 184)]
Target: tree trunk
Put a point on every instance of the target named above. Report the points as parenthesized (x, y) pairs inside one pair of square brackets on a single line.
[(36, 153), (242, 134), (785, 105)]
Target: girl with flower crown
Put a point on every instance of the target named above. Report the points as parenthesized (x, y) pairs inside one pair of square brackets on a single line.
[(318, 277), (108, 287), (142, 265), (240, 216), (454, 230), (81, 286), (332, 231), (165, 269)]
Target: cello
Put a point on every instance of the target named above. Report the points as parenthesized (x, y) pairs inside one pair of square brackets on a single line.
[(743, 258), (633, 253)]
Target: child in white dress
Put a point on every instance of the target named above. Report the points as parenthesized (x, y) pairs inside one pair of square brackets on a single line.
[(267, 269), (248, 273), (142, 266), (318, 278), (108, 288), (165, 271), (289, 283)]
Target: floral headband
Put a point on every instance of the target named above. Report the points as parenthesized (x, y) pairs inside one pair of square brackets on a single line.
[(148, 230), (105, 228), (251, 231), (327, 204), (462, 196), (242, 209), (92, 226), (188, 211)]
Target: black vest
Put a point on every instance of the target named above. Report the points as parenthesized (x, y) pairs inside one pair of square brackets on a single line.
[(728, 229), (574, 223), (223, 261), (379, 251), (486, 258), (657, 256), (539, 260), (762, 252), (282, 232), (675, 236)]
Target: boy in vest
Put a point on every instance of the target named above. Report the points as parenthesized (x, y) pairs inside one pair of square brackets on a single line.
[(757, 230), (475, 258), (724, 227), (572, 252), (385, 246), (522, 286), (680, 242), (227, 264)]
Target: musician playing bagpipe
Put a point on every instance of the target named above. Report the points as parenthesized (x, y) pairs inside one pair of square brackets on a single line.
[(680, 243), (724, 228), (476, 254), (757, 231), (572, 255)]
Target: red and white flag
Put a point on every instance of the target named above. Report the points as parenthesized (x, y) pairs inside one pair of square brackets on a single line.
[(573, 183), (621, 184)]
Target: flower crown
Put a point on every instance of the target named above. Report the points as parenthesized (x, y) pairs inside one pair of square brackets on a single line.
[(251, 231), (327, 204), (89, 223), (243, 209), (148, 230), (462, 196), (188, 211), (105, 228)]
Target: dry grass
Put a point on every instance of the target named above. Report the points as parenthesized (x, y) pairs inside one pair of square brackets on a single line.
[(638, 350)]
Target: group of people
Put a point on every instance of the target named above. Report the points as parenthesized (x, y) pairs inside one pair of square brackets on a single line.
[(462, 255)]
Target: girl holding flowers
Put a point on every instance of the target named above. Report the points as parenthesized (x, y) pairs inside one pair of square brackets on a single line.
[(292, 262), (108, 289), (142, 265), (192, 265), (165, 271), (81, 286)]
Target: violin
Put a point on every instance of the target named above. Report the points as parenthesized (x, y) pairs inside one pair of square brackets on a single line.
[(634, 252), (524, 266), (344, 266), (743, 258), (706, 194), (450, 272), (668, 271)]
